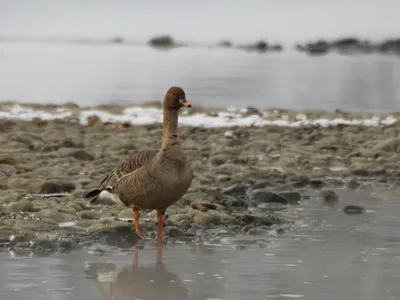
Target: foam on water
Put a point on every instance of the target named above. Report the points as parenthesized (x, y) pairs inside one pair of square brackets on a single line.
[(146, 115)]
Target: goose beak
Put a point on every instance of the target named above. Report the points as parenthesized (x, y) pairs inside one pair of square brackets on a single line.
[(184, 102)]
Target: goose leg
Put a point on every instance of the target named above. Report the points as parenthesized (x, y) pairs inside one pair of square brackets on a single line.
[(136, 217), (160, 224)]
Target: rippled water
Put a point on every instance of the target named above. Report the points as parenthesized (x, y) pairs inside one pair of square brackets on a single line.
[(327, 255)]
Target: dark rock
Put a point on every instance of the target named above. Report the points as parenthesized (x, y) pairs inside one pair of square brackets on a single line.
[(43, 245), (163, 41), (352, 184), (292, 197), (265, 196), (316, 183), (174, 232), (318, 48), (298, 182), (353, 210), (77, 153), (66, 245), (235, 203), (55, 187), (262, 185), (121, 236), (73, 142), (329, 197), (236, 190)]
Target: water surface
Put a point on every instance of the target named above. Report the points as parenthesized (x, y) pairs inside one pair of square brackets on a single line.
[(131, 74), (327, 255)]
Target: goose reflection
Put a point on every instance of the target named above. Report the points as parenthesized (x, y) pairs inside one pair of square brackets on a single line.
[(138, 282)]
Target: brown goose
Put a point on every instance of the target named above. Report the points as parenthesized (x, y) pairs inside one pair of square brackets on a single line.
[(153, 179)]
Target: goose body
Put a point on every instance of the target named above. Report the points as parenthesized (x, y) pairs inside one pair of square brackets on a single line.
[(153, 179)]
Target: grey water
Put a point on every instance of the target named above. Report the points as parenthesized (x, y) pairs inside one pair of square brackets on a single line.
[(327, 255), (100, 73)]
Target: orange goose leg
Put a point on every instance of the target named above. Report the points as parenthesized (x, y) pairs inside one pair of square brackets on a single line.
[(136, 216), (160, 225)]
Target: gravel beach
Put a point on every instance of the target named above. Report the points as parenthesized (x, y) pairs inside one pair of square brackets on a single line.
[(248, 179)]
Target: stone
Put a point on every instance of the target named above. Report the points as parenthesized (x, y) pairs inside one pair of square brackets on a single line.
[(177, 219), (52, 214), (265, 196), (89, 215), (353, 210), (32, 186), (292, 197), (126, 213), (22, 205), (174, 232), (32, 226), (56, 187), (352, 184), (329, 197), (271, 206), (238, 189), (79, 154)]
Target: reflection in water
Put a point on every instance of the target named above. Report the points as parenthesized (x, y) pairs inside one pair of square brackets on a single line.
[(138, 282)]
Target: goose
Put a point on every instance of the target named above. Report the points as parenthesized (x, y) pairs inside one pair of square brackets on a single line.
[(153, 179)]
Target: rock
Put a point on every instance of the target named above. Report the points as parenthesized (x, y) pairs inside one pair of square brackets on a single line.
[(89, 215), (73, 141), (292, 197), (236, 190), (76, 153), (329, 197), (163, 41), (96, 227), (389, 145), (32, 226), (174, 232), (55, 187), (66, 245), (353, 210), (271, 206), (203, 206), (265, 196), (217, 160), (43, 245), (23, 205), (177, 219), (51, 214), (10, 197), (118, 236), (33, 141), (317, 48), (352, 184), (126, 213), (29, 185)]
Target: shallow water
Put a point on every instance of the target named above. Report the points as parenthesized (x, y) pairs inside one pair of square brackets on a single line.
[(328, 255)]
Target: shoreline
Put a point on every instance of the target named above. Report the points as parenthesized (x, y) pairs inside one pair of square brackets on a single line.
[(150, 112)]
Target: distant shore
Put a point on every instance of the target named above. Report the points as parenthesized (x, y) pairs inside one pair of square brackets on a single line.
[(346, 45)]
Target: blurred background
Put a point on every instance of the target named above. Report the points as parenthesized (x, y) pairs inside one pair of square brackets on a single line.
[(310, 54)]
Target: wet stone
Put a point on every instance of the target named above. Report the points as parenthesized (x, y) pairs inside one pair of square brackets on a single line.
[(292, 197), (236, 190), (174, 232), (353, 210), (265, 196), (22, 205), (54, 187), (329, 197), (89, 215)]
